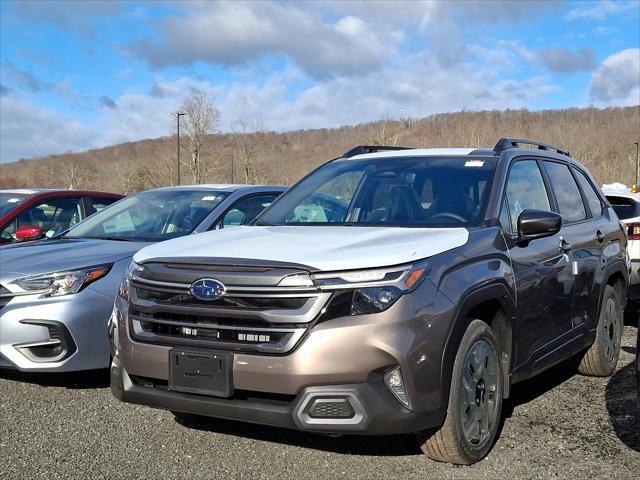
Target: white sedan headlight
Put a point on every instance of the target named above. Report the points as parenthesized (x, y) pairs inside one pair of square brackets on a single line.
[(61, 283)]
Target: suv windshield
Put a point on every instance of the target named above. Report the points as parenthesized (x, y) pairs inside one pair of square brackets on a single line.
[(407, 192), (150, 216), (9, 201)]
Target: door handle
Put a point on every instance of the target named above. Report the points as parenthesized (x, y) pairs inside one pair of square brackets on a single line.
[(564, 245), (600, 236)]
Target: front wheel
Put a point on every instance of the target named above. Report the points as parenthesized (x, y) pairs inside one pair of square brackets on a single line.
[(475, 401)]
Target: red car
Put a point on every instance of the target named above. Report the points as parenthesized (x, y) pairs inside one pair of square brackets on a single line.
[(34, 214)]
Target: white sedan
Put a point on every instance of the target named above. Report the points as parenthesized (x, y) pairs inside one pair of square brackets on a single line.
[(626, 202)]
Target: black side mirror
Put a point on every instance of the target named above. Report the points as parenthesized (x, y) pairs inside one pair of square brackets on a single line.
[(533, 224)]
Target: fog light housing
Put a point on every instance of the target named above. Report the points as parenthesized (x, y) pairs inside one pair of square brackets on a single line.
[(394, 381)]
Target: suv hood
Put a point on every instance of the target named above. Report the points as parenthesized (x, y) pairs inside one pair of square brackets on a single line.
[(320, 248), (61, 254)]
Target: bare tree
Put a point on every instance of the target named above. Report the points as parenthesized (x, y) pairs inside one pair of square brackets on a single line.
[(248, 132), (126, 177), (387, 135), (49, 175), (45, 175), (78, 174), (160, 170), (202, 118)]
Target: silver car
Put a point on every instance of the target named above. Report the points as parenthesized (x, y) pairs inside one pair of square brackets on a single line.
[(57, 295)]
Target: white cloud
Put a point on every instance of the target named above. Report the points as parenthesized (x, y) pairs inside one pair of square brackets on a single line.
[(617, 80), (418, 85), (21, 78), (604, 30), (428, 13), (565, 61), (324, 39), (234, 33), (347, 63), (601, 10), (557, 60), (67, 14), (508, 48), (29, 131)]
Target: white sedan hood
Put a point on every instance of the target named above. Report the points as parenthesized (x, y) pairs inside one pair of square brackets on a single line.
[(321, 248)]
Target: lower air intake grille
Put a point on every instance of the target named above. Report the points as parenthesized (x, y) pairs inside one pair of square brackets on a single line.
[(331, 408)]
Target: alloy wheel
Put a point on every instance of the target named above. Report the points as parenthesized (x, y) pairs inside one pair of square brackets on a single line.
[(479, 405), (612, 326)]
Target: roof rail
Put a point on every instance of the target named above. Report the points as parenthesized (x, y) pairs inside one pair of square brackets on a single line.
[(362, 149), (506, 143)]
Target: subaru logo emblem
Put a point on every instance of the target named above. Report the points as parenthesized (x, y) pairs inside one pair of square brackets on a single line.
[(207, 289)]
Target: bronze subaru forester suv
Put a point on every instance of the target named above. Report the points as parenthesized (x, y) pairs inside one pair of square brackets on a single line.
[(391, 290)]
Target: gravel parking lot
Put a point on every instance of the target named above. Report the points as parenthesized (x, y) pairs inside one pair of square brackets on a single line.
[(560, 425)]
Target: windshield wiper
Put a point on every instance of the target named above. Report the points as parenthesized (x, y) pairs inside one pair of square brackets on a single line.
[(117, 239)]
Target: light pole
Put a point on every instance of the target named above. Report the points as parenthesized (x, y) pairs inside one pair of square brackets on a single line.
[(232, 172), (637, 164), (178, 115)]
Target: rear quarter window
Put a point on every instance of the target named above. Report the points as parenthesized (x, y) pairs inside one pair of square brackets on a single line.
[(592, 198), (98, 203)]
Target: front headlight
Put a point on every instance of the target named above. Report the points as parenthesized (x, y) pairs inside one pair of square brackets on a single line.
[(61, 283), (123, 290), (361, 292), (373, 300)]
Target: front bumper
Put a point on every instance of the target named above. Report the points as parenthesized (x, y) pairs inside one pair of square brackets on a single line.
[(343, 359), (32, 327), (375, 411)]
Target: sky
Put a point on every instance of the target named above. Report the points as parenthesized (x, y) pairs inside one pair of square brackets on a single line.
[(80, 74)]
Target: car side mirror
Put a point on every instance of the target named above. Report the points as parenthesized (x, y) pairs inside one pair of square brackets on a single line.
[(534, 224), (30, 232)]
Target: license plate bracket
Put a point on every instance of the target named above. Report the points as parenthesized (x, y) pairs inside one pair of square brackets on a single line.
[(201, 372)]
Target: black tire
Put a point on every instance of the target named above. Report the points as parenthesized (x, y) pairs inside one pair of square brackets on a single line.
[(450, 443), (602, 357)]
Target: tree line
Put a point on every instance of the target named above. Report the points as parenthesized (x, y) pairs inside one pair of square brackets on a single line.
[(602, 139)]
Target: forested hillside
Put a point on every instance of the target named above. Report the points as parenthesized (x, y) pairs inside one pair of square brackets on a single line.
[(601, 139)]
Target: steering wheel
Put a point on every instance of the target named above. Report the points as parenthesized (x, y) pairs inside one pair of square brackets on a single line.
[(455, 216)]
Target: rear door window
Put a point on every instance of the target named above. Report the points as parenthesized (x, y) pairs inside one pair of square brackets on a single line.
[(245, 210), (590, 195), (570, 204)]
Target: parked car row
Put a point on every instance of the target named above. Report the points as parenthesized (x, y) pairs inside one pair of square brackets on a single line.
[(392, 290), (57, 295)]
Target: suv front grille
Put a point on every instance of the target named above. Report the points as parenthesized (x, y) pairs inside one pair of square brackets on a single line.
[(256, 303), (261, 319)]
